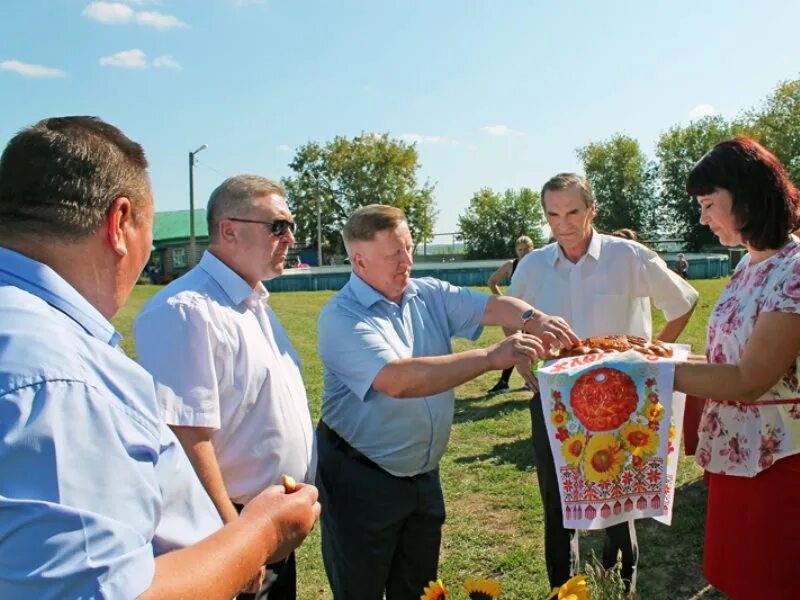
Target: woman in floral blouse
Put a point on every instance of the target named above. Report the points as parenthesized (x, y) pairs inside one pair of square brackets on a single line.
[(750, 428)]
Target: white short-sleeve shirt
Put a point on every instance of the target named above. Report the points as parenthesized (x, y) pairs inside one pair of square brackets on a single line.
[(221, 359), (607, 292)]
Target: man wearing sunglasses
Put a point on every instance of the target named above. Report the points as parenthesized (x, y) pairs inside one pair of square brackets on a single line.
[(227, 377)]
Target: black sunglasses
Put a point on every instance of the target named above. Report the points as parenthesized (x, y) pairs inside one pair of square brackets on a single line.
[(277, 227)]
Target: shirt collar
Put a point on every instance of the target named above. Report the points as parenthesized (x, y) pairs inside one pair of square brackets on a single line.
[(236, 288), (367, 295), (42, 281), (595, 245)]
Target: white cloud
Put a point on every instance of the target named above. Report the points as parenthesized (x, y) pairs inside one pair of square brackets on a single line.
[(165, 61), (702, 110), (158, 20), (109, 12), (284, 148), (117, 12), (500, 131), (28, 70), (127, 59), (421, 138)]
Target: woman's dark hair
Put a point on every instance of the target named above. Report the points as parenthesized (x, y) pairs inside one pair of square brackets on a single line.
[(766, 204)]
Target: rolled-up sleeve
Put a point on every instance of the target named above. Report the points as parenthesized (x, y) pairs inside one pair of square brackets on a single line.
[(175, 343), (671, 294), (463, 307), (79, 496)]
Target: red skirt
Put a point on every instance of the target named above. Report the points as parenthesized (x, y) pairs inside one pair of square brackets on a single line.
[(753, 532)]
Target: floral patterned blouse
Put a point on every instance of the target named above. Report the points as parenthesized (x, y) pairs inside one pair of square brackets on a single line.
[(745, 439)]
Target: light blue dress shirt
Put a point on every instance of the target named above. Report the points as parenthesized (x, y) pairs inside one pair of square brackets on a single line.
[(92, 485), (360, 332)]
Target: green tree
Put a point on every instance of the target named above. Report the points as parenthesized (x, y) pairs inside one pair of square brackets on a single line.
[(623, 180), (493, 222), (677, 150), (777, 125), (342, 175)]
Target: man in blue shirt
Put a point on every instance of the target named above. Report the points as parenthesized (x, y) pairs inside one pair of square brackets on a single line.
[(97, 498), (385, 343)]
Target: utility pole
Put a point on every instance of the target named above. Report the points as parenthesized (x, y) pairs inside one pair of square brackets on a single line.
[(319, 228), (192, 245)]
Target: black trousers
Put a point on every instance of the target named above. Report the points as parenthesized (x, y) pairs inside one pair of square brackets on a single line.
[(561, 549), (284, 588), (506, 375), (380, 533)]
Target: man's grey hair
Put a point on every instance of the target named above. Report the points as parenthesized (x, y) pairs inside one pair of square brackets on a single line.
[(565, 181), (234, 196)]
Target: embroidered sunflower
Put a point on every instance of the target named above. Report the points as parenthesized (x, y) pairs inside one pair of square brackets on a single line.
[(655, 412), (435, 591), (558, 417), (603, 458), (574, 589), (478, 588), (639, 440), (572, 449)]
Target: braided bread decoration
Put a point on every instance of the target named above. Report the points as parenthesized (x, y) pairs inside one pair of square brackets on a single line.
[(617, 343)]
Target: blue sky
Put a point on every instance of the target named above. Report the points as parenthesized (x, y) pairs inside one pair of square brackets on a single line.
[(496, 94)]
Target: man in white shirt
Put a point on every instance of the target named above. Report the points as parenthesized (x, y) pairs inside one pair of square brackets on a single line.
[(228, 380), (601, 285)]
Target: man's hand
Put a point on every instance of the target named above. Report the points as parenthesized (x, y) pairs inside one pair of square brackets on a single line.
[(292, 515), (554, 332), (519, 349), (254, 585), (529, 377)]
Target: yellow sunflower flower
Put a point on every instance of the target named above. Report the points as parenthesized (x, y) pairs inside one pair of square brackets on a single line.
[(655, 412), (639, 440), (572, 449), (574, 589), (478, 588), (672, 433), (558, 417), (435, 591), (603, 458)]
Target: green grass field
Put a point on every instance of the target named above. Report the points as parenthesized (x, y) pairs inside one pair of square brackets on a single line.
[(494, 515)]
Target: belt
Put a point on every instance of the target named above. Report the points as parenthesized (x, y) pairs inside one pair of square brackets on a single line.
[(345, 448)]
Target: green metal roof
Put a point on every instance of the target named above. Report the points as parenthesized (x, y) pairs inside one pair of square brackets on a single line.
[(174, 225)]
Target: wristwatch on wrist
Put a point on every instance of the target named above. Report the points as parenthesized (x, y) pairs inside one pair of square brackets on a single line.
[(528, 315)]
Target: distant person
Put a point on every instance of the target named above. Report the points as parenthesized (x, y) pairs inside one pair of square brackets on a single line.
[(626, 233), (523, 245), (228, 380), (602, 285), (388, 402), (750, 429), (682, 266), (97, 497), (153, 273)]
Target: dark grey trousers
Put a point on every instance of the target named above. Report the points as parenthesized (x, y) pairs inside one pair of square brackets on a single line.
[(380, 533)]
